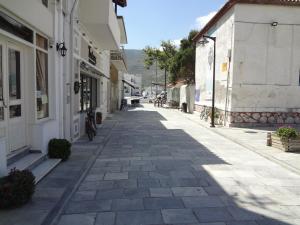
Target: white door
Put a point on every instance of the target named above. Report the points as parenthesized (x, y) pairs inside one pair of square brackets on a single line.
[(12, 119)]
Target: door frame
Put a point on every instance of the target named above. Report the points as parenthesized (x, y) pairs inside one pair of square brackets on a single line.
[(8, 44)]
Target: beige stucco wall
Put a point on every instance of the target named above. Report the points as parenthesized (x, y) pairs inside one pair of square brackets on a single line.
[(33, 12), (224, 32), (266, 59)]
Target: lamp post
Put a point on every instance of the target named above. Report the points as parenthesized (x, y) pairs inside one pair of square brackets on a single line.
[(214, 39)]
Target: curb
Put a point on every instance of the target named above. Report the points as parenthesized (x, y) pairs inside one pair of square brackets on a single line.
[(54, 215)]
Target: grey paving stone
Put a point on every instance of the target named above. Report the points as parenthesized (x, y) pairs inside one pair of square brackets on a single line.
[(218, 214), (160, 192), (110, 193), (131, 183), (188, 191), (182, 174), (78, 219), (163, 203), (96, 185), (94, 177), (214, 190), (203, 201), (242, 223), (148, 183), (243, 214), (84, 195), (116, 176), (139, 217), (127, 204), (138, 174), (88, 206), (105, 218), (177, 216), (136, 193)]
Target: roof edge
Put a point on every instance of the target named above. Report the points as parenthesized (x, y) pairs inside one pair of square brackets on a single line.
[(232, 3)]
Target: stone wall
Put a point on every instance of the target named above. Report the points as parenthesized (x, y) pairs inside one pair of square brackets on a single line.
[(244, 119)]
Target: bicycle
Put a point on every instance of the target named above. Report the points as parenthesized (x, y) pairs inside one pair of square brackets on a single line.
[(90, 125)]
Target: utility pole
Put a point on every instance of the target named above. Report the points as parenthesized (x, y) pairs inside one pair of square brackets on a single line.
[(156, 77), (214, 39), (165, 80)]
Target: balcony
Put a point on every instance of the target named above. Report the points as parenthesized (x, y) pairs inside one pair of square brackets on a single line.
[(101, 22), (118, 59)]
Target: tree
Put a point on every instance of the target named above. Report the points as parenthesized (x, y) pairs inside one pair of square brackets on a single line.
[(183, 63), (180, 63), (160, 57)]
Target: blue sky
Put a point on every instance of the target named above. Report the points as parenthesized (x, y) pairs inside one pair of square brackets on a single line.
[(148, 22)]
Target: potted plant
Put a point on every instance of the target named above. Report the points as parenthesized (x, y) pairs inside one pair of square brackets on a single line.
[(59, 149), (16, 189), (286, 139)]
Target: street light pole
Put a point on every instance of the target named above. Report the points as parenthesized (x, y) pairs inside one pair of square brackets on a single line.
[(214, 39)]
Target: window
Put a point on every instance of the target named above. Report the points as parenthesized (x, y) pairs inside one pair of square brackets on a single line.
[(14, 27), (45, 3), (88, 97), (42, 84), (14, 74), (1, 75), (41, 42)]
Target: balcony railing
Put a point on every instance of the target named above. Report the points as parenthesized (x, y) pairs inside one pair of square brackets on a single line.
[(118, 55)]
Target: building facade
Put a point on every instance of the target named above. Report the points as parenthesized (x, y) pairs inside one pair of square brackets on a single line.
[(55, 64), (257, 63)]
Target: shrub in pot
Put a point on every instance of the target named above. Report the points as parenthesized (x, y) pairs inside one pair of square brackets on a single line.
[(287, 132), (59, 149), (16, 189)]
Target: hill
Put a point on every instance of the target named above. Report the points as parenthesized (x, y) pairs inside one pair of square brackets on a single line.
[(135, 65)]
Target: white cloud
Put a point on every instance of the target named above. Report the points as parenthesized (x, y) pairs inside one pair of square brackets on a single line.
[(201, 21), (177, 42)]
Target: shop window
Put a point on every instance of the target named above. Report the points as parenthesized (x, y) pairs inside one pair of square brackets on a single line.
[(88, 97), (15, 111), (1, 75), (42, 100), (41, 42)]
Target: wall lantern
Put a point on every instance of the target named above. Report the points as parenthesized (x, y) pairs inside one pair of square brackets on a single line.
[(274, 24), (76, 87), (60, 47)]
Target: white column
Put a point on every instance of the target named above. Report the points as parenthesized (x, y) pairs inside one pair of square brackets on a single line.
[(3, 157)]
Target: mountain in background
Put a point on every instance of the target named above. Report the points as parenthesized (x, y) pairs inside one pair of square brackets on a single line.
[(135, 65)]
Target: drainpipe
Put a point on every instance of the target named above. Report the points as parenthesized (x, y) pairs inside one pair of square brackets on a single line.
[(72, 66)]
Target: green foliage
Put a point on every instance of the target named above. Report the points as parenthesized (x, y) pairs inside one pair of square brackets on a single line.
[(16, 189), (287, 132), (180, 63), (59, 149)]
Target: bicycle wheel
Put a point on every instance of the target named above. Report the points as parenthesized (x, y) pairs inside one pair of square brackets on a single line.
[(90, 134)]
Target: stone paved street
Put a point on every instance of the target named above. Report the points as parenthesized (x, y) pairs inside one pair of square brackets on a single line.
[(158, 167)]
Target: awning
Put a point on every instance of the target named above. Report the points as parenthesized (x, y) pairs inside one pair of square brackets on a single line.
[(126, 82)]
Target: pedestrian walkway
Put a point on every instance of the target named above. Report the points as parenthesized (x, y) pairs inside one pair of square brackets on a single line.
[(255, 139), (159, 167), (57, 187)]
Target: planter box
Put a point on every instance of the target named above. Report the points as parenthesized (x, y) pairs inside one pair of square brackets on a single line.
[(290, 145)]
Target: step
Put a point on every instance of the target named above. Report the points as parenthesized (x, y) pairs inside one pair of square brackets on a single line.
[(44, 168), (28, 162), (16, 155)]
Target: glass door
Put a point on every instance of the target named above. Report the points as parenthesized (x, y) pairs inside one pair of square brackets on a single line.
[(15, 98), (3, 120)]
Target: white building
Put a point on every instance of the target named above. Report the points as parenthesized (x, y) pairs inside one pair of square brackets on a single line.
[(257, 63), (132, 84), (44, 95)]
